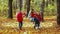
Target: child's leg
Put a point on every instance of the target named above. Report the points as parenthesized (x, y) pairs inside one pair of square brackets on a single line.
[(38, 25), (20, 25), (34, 25)]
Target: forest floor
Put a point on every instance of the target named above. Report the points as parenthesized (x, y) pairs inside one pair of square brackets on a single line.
[(10, 26)]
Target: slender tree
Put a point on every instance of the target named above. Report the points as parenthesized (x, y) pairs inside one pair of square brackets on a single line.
[(58, 12), (10, 15), (47, 3), (52, 2), (28, 6), (20, 4), (42, 9)]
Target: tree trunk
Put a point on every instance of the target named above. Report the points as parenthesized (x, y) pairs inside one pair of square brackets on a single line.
[(52, 2), (58, 12), (47, 3), (10, 15), (28, 6), (42, 10), (20, 4)]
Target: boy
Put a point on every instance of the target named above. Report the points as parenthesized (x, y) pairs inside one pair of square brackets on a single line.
[(37, 20), (20, 19)]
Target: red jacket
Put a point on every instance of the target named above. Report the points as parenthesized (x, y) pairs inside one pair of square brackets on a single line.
[(39, 17), (32, 14), (19, 17)]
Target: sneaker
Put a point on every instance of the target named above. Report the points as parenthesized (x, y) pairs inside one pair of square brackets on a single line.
[(38, 28)]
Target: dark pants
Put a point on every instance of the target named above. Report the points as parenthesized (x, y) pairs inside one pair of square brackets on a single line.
[(20, 25), (37, 24)]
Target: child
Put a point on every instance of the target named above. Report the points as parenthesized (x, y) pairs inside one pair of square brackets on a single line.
[(20, 19), (37, 20)]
